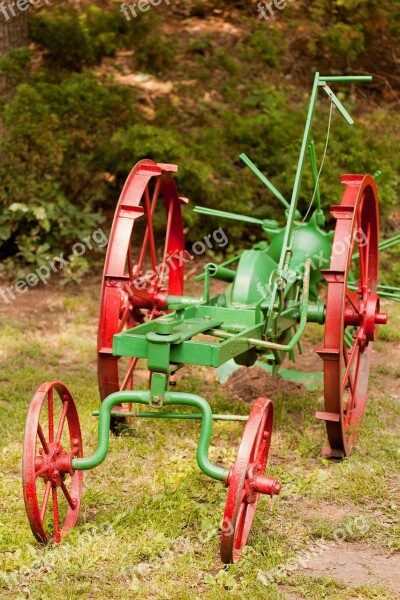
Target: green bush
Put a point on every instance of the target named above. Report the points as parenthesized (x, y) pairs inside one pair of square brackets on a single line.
[(52, 163), (75, 39)]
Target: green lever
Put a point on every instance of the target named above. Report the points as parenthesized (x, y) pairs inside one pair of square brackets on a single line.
[(338, 104), (345, 78), (264, 180)]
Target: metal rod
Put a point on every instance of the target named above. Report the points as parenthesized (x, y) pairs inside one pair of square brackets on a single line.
[(299, 174), (314, 171), (172, 415), (213, 212), (249, 163), (184, 300), (338, 104), (345, 78), (224, 264)]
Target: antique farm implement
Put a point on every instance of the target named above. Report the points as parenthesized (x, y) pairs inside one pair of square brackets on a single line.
[(271, 294)]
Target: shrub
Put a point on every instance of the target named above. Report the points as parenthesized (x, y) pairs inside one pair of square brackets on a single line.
[(51, 162)]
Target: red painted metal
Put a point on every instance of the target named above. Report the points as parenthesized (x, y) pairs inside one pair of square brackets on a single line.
[(127, 299), (246, 481), (45, 459), (354, 253)]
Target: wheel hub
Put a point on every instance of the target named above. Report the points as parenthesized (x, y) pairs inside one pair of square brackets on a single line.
[(366, 317), (54, 464)]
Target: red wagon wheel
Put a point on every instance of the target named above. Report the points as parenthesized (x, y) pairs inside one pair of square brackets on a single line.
[(246, 481), (139, 272), (47, 457), (352, 312)]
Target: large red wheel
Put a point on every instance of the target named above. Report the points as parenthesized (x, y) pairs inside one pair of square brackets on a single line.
[(352, 312), (47, 463), (246, 481), (139, 272)]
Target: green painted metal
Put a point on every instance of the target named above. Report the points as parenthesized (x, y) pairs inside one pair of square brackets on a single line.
[(338, 104), (320, 217), (316, 313), (264, 179), (345, 79), (143, 397), (287, 239), (173, 415), (270, 226), (252, 278), (224, 264), (221, 273), (174, 301), (312, 380), (309, 242)]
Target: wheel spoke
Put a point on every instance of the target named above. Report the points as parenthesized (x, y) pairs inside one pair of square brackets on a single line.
[(346, 360), (56, 514), (352, 400), (62, 421), (349, 363), (41, 471), (66, 493), (366, 262), (51, 415), (143, 249), (352, 298), (124, 318), (45, 501), (153, 254), (128, 376), (167, 240), (361, 256), (42, 439)]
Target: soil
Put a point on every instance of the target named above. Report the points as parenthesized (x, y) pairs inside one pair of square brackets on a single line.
[(249, 384), (355, 565)]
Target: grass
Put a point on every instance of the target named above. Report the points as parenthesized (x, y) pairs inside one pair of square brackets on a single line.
[(149, 521)]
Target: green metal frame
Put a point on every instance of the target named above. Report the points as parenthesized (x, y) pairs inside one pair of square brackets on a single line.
[(144, 397)]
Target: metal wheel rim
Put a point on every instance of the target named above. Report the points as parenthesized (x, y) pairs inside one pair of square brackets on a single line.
[(128, 210), (253, 453), (29, 472)]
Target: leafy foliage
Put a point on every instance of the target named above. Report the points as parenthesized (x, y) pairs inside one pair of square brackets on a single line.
[(51, 162)]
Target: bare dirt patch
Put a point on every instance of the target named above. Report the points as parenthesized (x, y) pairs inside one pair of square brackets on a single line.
[(249, 384), (357, 565)]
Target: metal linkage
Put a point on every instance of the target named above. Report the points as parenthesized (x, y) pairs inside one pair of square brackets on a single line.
[(143, 397)]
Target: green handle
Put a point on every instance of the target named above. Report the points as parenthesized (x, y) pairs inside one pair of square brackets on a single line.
[(143, 397), (346, 78)]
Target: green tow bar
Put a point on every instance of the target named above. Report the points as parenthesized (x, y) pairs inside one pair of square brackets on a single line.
[(143, 397)]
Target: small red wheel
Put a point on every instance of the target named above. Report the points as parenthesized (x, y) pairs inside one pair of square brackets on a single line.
[(138, 276), (246, 481), (352, 312), (47, 457)]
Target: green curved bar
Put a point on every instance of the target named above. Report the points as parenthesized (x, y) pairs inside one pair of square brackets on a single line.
[(183, 399), (143, 397)]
